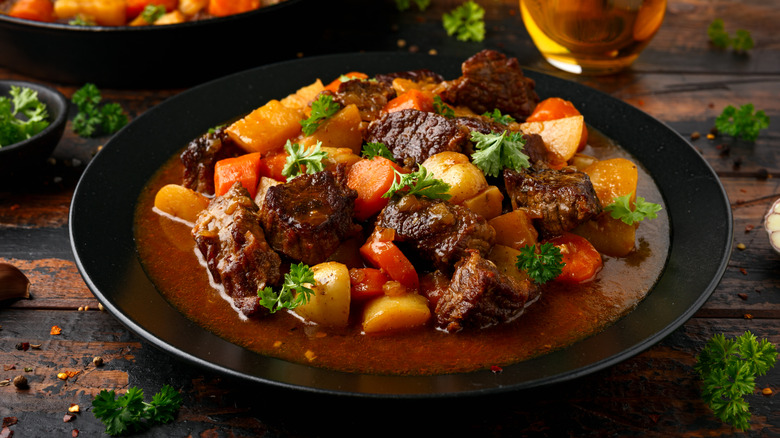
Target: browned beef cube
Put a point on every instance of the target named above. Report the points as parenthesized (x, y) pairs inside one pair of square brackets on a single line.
[(201, 155), (491, 81), (229, 236), (307, 218), (413, 136), (557, 200), (437, 230), (480, 295), (420, 76), (369, 96)]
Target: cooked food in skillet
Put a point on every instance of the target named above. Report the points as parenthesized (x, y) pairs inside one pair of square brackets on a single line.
[(402, 204)]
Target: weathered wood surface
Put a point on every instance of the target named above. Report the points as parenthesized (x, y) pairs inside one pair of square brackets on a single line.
[(679, 79)]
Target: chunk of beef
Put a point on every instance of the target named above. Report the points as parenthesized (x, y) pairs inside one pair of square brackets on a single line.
[(307, 218), (480, 295), (420, 76), (483, 125), (233, 245), (413, 136), (490, 80), (557, 200), (369, 96), (437, 230), (537, 152), (201, 155)]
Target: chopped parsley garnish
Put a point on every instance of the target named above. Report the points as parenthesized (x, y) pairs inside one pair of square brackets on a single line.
[(620, 208), (743, 122), (728, 369), (442, 109), (295, 290), (466, 22), (496, 115), (130, 413), (22, 116), (542, 265), (91, 119), (152, 13), (403, 5), (741, 42), (298, 157), (419, 183), (495, 152), (321, 109), (371, 150)]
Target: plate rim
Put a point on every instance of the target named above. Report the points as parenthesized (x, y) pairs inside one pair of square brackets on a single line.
[(482, 385)]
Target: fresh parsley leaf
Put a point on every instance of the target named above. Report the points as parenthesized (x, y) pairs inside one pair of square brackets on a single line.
[(129, 412), (22, 116), (743, 123), (295, 290), (466, 22), (621, 209), (442, 109), (321, 109), (152, 13), (741, 42), (496, 115), (298, 157), (403, 5), (371, 150), (419, 183), (494, 152), (542, 265), (728, 368), (92, 119)]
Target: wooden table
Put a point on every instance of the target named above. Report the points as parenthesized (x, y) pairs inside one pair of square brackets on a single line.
[(679, 79)]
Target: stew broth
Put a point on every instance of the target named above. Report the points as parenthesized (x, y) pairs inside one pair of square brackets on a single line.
[(563, 315)]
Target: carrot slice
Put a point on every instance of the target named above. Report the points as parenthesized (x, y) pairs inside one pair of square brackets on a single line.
[(221, 8), (412, 99), (367, 283), (334, 86), (244, 169), (582, 261), (371, 179), (36, 10), (554, 108), (385, 255)]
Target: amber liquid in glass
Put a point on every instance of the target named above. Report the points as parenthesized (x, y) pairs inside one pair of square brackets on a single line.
[(592, 36)]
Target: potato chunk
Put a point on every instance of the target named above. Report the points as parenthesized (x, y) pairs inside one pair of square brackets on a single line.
[(465, 179), (613, 178), (560, 136), (340, 131), (514, 229), (104, 12), (487, 203), (180, 202), (395, 313), (267, 128), (329, 306)]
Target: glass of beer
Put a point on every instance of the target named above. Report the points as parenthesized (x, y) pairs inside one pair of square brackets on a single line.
[(592, 36)]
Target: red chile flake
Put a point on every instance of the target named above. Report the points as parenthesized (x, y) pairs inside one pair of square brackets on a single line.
[(743, 271), (24, 346), (496, 369), (749, 228)]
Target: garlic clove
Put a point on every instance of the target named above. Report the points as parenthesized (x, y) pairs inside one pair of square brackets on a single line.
[(772, 225), (13, 283)]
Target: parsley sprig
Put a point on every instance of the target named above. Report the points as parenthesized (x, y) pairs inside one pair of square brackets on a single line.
[(295, 290), (728, 369), (496, 115), (321, 109), (152, 13), (419, 183), (298, 157), (621, 209), (371, 150), (743, 123), (741, 42), (442, 109), (92, 119), (495, 152), (403, 5), (541, 265), (22, 116), (130, 413), (466, 22)]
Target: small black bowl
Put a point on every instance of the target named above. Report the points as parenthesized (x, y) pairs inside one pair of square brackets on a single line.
[(33, 152)]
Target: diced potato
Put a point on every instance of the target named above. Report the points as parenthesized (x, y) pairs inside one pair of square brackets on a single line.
[(613, 178), (340, 156), (192, 7), (267, 128), (301, 98), (465, 179), (505, 259), (104, 12), (173, 17), (340, 131), (395, 313), (581, 161), (487, 203), (561, 136), (262, 189), (180, 202), (514, 229), (609, 236), (329, 306)]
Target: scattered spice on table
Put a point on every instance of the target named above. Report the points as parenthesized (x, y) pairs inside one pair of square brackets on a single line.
[(55, 330)]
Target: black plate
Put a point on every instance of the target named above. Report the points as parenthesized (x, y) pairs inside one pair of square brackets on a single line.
[(176, 55), (101, 231)]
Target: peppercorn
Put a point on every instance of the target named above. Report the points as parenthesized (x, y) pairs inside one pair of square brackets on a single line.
[(20, 382), (97, 361)]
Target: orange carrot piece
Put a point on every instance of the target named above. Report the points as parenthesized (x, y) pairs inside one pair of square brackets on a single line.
[(334, 86), (412, 99), (582, 261), (134, 8), (371, 179), (221, 8), (556, 108), (36, 10), (367, 283), (244, 169), (272, 166), (385, 255)]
